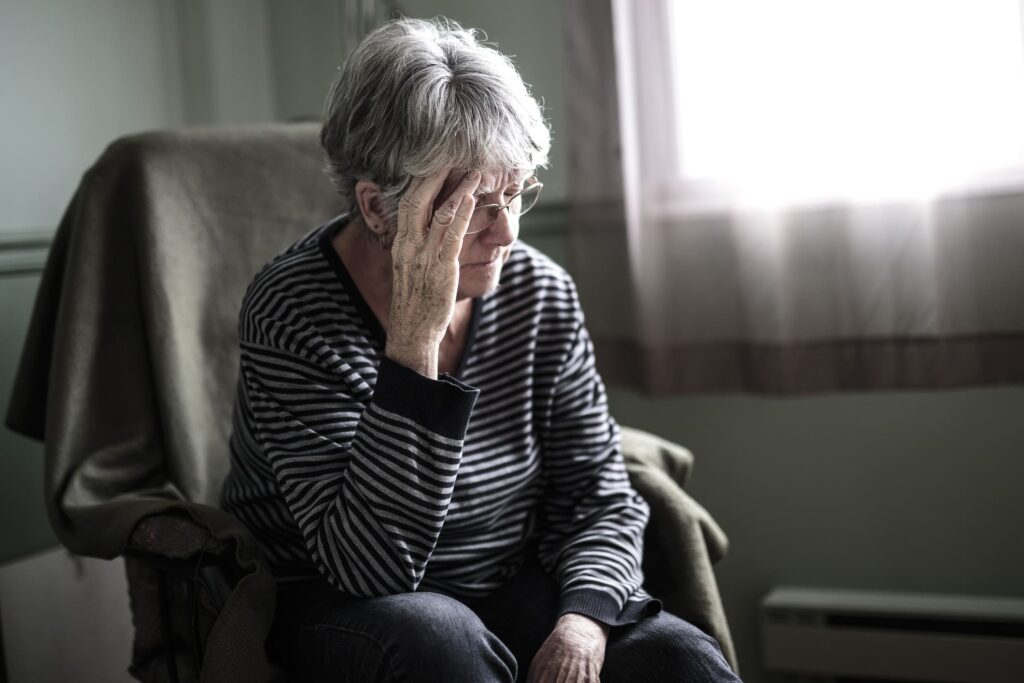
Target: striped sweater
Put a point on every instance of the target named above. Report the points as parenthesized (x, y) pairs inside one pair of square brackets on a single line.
[(352, 467)]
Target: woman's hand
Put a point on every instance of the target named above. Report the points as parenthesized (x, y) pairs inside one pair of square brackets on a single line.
[(573, 653), (425, 269)]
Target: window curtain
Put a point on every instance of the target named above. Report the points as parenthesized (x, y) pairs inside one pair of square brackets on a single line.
[(688, 295)]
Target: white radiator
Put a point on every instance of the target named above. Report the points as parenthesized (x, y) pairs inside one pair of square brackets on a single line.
[(853, 635)]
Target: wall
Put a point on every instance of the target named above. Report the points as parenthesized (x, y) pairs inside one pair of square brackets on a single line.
[(65, 618), (76, 75), (224, 62), (892, 491), (305, 40)]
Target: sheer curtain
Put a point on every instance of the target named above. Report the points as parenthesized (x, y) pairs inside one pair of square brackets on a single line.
[(798, 196)]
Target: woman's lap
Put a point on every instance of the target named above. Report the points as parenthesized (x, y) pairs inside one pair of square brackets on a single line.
[(321, 634)]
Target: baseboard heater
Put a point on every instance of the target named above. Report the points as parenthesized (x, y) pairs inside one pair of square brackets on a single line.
[(846, 636)]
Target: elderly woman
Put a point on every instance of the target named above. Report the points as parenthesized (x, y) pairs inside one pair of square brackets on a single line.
[(421, 442)]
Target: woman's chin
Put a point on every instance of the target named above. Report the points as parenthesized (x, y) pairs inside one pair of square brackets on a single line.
[(478, 280)]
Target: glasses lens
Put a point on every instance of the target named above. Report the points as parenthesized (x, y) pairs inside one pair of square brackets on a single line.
[(528, 199), (484, 215)]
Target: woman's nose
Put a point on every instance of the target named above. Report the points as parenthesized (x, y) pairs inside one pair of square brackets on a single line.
[(503, 230)]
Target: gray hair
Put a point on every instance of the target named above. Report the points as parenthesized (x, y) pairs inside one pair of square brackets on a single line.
[(416, 96)]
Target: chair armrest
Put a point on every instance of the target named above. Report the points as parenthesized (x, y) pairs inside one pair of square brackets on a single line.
[(172, 535), (179, 579), (682, 540), (640, 448)]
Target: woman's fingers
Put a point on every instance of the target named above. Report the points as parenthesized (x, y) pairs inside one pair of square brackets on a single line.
[(452, 236), (404, 208), (414, 209), (447, 210), (444, 215), (451, 219)]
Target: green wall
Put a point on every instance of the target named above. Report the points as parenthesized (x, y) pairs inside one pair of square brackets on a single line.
[(25, 528), (902, 491), (306, 47)]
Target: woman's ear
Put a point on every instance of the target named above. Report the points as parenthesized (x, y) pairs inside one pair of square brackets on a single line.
[(368, 197)]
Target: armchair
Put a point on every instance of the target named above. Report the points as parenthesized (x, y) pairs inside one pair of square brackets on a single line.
[(128, 375)]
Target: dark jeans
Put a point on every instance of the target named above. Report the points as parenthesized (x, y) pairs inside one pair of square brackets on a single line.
[(322, 635)]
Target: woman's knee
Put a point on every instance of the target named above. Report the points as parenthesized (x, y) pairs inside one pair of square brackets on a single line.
[(438, 638), (665, 647), (433, 621)]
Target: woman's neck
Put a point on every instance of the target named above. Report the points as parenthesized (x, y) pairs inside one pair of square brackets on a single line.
[(370, 268)]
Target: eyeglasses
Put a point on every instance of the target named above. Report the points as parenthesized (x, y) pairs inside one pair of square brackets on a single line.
[(522, 202)]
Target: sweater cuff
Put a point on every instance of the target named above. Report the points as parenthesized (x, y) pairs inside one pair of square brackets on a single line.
[(442, 406), (602, 607)]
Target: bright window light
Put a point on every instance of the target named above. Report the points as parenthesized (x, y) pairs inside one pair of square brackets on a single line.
[(805, 100)]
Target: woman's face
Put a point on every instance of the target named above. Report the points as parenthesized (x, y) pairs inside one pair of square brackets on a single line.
[(484, 253)]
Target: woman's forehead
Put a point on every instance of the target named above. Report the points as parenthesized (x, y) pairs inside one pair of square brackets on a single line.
[(490, 180)]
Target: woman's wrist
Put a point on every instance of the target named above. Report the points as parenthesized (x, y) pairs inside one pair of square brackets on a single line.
[(420, 358), (582, 624)]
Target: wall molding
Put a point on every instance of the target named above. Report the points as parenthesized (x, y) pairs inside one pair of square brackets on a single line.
[(24, 251)]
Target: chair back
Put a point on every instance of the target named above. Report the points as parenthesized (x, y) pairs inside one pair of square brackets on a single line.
[(130, 365)]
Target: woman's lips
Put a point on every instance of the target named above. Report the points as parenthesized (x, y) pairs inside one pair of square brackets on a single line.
[(494, 259)]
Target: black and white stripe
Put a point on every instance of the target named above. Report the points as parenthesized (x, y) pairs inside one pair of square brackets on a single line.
[(352, 467)]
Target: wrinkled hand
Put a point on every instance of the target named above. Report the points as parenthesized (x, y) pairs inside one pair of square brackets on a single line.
[(573, 653), (425, 268)]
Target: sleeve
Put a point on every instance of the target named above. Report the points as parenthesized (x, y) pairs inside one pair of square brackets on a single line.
[(592, 538), (366, 473)]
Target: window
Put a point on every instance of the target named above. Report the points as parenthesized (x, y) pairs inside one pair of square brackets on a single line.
[(796, 101)]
